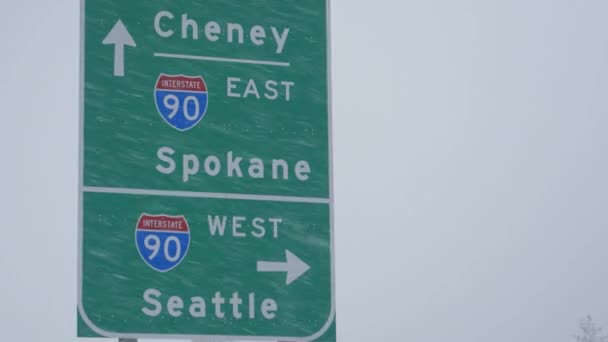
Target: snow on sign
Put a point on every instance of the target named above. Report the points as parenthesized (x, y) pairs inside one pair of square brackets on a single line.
[(162, 240), (181, 100), (205, 193)]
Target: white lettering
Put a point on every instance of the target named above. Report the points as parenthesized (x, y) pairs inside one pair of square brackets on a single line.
[(280, 39), (269, 307), (256, 88), (259, 230), (164, 154), (251, 89), (212, 31), (197, 308), (231, 85), (276, 163), (218, 301), (158, 29), (236, 225), (150, 297), (232, 27), (189, 23), (256, 168), (287, 85), (275, 225), (236, 301), (238, 307), (212, 166), (216, 225), (190, 166), (252, 305), (234, 165), (271, 87), (175, 306), (257, 35), (302, 170)]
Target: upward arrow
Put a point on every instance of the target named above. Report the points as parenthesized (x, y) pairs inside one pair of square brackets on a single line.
[(119, 37), (293, 266)]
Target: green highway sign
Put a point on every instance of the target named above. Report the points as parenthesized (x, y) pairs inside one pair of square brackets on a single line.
[(205, 182)]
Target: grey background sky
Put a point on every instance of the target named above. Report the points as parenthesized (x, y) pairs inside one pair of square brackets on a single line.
[(470, 168)]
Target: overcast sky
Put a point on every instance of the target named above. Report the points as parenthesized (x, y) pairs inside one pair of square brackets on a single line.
[(470, 155)]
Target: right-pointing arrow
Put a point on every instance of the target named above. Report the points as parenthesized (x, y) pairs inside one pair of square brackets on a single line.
[(293, 266)]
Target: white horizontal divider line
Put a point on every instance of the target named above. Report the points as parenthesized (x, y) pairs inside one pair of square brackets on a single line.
[(196, 194), (220, 59)]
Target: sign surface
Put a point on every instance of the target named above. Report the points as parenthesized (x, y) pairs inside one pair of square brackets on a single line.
[(205, 183)]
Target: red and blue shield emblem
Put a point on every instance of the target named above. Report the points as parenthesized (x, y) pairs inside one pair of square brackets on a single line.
[(181, 100), (162, 240)]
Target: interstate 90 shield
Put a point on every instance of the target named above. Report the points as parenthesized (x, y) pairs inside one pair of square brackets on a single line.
[(181, 100), (162, 240)]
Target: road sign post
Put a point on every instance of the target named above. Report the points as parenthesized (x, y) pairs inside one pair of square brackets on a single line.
[(205, 185)]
